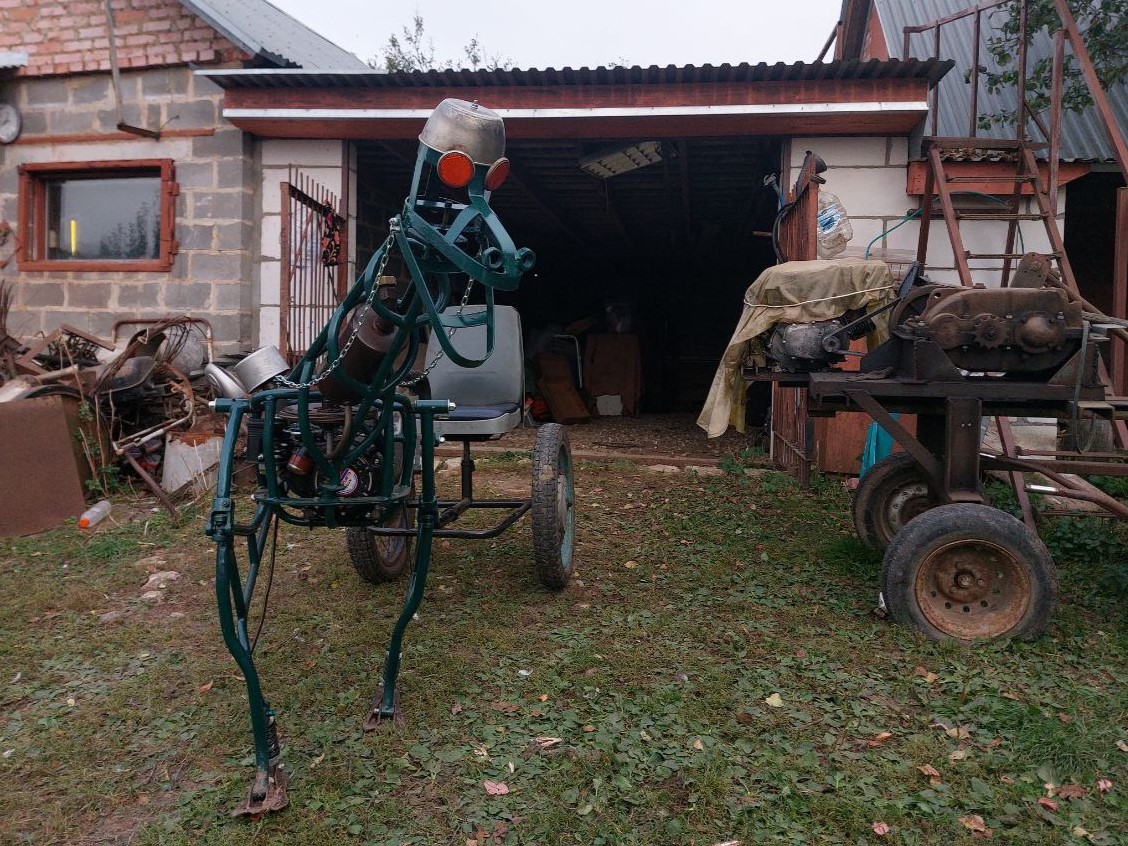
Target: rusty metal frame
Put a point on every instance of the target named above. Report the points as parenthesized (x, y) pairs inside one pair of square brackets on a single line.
[(309, 290)]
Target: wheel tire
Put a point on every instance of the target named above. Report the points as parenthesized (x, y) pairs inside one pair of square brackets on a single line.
[(969, 571), (382, 558), (553, 507), (888, 496)]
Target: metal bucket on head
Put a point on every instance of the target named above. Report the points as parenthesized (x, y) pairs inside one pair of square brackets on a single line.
[(467, 127)]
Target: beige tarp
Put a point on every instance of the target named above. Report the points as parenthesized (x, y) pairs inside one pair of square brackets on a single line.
[(794, 292)]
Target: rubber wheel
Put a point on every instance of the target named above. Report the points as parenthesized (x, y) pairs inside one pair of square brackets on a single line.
[(888, 496), (554, 519), (969, 571), (382, 558)]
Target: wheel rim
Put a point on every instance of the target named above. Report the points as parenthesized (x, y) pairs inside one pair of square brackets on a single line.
[(565, 502), (972, 588), (901, 505), (389, 548)]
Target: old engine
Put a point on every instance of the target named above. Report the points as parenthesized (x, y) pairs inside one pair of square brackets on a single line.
[(994, 330)]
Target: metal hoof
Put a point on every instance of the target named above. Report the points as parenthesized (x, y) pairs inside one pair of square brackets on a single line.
[(378, 718), (263, 801)]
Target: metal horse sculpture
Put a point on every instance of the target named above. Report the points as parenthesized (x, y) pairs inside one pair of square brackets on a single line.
[(335, 443)]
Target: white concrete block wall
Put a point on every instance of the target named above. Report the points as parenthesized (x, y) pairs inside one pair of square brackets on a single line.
[(868, 174), (321, 161)]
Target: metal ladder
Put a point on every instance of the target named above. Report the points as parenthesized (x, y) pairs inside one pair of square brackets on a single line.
[(939, 187)]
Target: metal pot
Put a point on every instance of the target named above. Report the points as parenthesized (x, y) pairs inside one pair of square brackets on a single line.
[(259, 367), (459, 125)]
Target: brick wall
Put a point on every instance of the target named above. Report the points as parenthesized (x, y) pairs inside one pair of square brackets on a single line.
[(217, 211), (67, 38)]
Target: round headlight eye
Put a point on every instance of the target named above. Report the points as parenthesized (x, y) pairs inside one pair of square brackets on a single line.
[(497, 174), (455, 169)]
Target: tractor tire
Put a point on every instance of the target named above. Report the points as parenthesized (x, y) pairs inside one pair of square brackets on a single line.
[(893, 492), (968, 571), (553, 506)]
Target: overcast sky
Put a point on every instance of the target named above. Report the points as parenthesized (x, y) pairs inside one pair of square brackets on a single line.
[(585, 33)]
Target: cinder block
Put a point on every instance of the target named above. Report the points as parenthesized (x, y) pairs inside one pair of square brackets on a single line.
[(867, 151), (219, 205), (46, 92), (234, 172), (215, 267), (226, 143), (85, 294), (91, 90), (231, 296), (271, 237), (303, 153), (269, 285), (234, 236), (865, 230), (35, 294), (870, 191), (71, 121), (898, 152), (269, 331), (192, 175), (191, 296), (135, 297), (193, 114)]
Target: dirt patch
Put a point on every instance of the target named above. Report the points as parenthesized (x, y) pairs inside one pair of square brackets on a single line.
[(648, 434)]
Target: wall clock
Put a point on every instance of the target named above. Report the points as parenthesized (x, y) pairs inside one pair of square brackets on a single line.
[(10, 123)]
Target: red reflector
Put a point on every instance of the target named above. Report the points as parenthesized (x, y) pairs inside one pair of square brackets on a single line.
[(455, 169), (497, 173)]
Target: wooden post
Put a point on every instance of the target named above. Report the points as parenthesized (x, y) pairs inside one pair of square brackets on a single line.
[(1120, 292)]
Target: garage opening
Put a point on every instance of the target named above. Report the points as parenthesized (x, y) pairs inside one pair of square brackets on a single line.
[(653, 239)]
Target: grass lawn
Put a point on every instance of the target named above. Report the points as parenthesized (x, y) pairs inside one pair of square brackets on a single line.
[(714, 673)]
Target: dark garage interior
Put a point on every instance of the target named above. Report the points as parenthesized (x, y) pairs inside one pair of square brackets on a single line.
[(663, 251)]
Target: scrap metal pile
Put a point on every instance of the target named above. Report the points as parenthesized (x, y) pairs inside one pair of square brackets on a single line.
[(146, 381)]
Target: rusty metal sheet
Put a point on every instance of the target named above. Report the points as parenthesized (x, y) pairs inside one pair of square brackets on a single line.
[(39, 480)]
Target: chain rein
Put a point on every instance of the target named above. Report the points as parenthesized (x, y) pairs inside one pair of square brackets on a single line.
[(407, 383), (387, 248)]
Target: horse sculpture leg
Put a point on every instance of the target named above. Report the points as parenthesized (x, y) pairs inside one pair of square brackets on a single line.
[(268, 791), (386, 706)]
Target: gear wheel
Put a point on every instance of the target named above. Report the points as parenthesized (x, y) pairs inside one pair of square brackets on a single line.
[(990, 330)]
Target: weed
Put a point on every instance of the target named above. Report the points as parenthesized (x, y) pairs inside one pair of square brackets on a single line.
[(730, 684)]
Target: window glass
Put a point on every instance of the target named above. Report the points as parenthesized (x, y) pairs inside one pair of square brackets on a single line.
[(103, 219)]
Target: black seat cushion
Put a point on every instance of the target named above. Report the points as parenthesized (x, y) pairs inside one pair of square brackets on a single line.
[(481, 412)]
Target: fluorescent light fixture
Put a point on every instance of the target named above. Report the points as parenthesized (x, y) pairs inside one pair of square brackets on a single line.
[(617, 160)]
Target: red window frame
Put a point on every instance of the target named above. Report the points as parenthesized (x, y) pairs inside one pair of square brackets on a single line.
[(33, 214)]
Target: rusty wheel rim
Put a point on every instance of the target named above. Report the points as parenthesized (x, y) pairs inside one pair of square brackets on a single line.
[(972, 589), (902, 505)]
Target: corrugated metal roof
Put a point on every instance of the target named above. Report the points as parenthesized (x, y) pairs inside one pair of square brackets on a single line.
[(929, 69), (265, 30), (1082, 135), (10, 59)]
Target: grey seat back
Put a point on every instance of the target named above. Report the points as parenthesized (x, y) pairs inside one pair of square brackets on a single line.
[(501, 379)]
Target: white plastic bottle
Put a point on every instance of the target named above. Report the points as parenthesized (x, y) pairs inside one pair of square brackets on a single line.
[(94, 514), (834, 229)]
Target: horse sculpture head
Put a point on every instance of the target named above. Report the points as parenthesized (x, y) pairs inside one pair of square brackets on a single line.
[(461, 161)]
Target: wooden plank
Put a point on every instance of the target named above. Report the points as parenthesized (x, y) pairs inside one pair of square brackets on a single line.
[(917, 173)]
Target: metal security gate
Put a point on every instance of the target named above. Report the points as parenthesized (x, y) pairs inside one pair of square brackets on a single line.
[(314, 251)]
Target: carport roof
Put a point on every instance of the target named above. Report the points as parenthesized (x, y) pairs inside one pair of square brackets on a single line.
[(931, 70), (841, 97)]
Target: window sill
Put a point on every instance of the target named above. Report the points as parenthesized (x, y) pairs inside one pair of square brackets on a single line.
[(149, 266)]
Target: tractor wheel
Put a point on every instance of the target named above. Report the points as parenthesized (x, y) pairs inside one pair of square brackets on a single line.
[(382, 558), (893, 492), (554, 519), (968, 571)]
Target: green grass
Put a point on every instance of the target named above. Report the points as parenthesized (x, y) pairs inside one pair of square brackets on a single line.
[(659, 680)]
